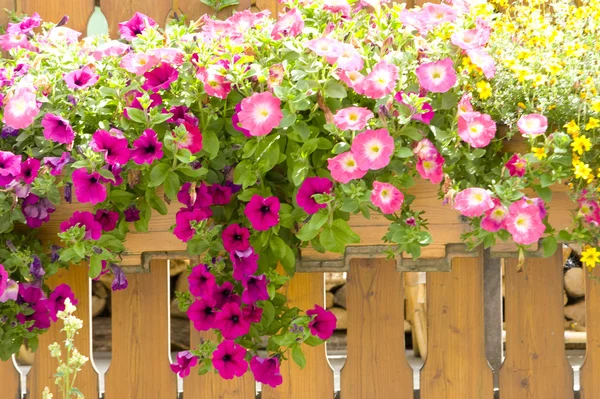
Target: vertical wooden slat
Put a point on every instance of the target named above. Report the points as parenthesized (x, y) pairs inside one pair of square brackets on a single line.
[(79, 11), (535, 364), (10, 380), (304, 291), (376, 366), (5, 4), (456, 365), (590, 383), (141, 338), (211, 386), (122, 10), (44, 367)]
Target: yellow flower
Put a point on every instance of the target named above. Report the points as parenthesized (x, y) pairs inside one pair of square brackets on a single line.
[(592, 124), (539, 152), (596, 106), (484, 89), (521, 105), (590, 257), (581, 144), (583, 171), (572, 128)]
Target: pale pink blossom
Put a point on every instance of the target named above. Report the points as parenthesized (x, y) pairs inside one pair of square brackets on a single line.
[(349, 58), (341, 6), (352, 118), (476, 129), (473, 201), (112, 48), (373, 149), (60, 34), (260, 113), (433, 14), (9, 41), (438, 76), (381, 81), (21, 109), (139, 63), (353, 79), (484, 61), (431, 168), (215, 85), (172, 56), (495, 218), (464, 104), (325, 47), (289, 24), (473, 38), (343, 168), (532, 124), (387, 197), (524, 223)]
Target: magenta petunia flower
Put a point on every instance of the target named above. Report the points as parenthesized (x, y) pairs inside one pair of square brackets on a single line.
[(10, 167), (39, 304), (183, 219), (289, 24), (425, 116), (311, 186), (88, 187), (57, 300), (57, 129), (223, 294), (230, 321), (135, 26), (221, 195), (236, 238), (323, 324), (255, 289), (266, 370), (495, 218), (193, 138), (195, 196), (3, 280), (132, 99), (532, 124), (263, 213), (215, 85), (235, 121), (115, 149), (202, 314), (589, 209), (147, 148), (160, 78), (81, 78), (252, 313), (524, 223), (202, 282), (438, 76), (481, 59), (260, 113), (56, 164), (352, 118), (373, 149), (516, 166), (26, 25), (245, 263), (473, 201), (181, 114), (138, 63), (185, 362), (381, 81), (36, 210), (93, 229), (343, 168), (387, 197), (108, 219), (476, 129), (229, 360), (21, 109), (29, 170)]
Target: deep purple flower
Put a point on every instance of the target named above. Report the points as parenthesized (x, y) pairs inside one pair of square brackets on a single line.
[(411, 221), (229, 360), (235, 121), (230, 321), (88, 187), (255, 289), (10, 167), (245, 263), (311, 186), (57, 300), (57, 129), (202, 314), (120, 280), (54, 254), (323, 324), (236, 238), (135, 26), (9, 131), (181, 114), (160, 78), (234, 187), (185, 361), (36, 269), (183, 219), (132, 214), (56, 164), (202, 282), (262, 212), (252, 313), (147, 148), (108, 219), (36, 210), (81, 78), (68, 192), (266, 371), (195, 196), (26, 25), (221, 195), (93, 229), (223, 294), (114, 148), (29, 170)]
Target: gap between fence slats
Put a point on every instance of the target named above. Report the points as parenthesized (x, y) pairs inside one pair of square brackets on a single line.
[(44, 367), (535, 365), (141, 338), (10, 379), (590, 383), (78, 11), (117, 11), (456, 365), (376, 366), (316, 380)]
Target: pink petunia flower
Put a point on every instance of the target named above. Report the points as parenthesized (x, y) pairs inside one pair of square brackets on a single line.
[(93, 229), (108, 219), (169, 55), (435, 14), (57, 129), (352, 118), (532, 124), (524, 223), (263, 213), (464, 104), (235, 238), (260, 113), (10, 167), (387, 197), (471, 39), (343, 168), (476, 129), (63, 34), (115, 149), (88, 187), (495, 218), (323, 324), (202, 314), (183, 222), (311, 186), (25, 25), (589, 210), (353, 79), (426, 114), (430, 163), (335, 6), (516, 166), (373, 149), (255, 289), (349, 58), (160, 78), (185, 362), (484, 61), (147, 148), (202, 282), (81, 78), (56, 300), (266, 370), (224, 294), (229, 360), (473, 202), (325, 47), (21, 109), (29, 170), (9, 41), (289, 25), (135, 26), (112, 48), (215, 85), (138, 63), (245, 263), (438, 76), (381, 81), (193, 138), (230, 321)]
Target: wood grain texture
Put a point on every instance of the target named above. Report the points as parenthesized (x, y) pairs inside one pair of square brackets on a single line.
[(122, 10), (376, 366), (590, 383), (141, 339), (456, 365), (5, 4), (10, 380), (535, 365), (304, 291), (211, 386), (44, 367), (78, 11)]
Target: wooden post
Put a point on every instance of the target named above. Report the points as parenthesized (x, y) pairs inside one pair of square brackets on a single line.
[(590, 383), (78, 11), (10, 379)]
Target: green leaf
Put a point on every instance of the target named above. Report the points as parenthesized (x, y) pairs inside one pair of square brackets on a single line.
[(449, 100), (288, 261), (278, 246), (313, 341), (298, 356), (550, 245), (95, 266), (158, 174), (136, 115), (160, 118), (210, 144), (197, 246), (564, 236), (335, 90), (268, 314), (413, 249), (546, 180), (412, 132), (172, 185), (288, 119), (156, 202), (544, 192), (121, 197), (311, 229), (404, 152)]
